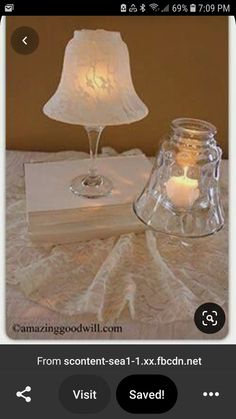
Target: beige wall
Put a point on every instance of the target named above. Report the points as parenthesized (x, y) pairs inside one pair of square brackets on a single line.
[(179, 68)]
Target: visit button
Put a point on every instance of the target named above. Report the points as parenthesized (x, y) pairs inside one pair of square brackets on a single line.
[(146, 394), (84, 394)]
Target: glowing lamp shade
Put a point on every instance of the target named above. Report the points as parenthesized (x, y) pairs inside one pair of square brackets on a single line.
[(95, 90), (96, 87)]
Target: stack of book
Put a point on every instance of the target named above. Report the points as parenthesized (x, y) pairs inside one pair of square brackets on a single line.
[(55, 215)]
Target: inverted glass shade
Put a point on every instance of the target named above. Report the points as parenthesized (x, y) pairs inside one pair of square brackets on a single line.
[(182, 196), (96, 87)]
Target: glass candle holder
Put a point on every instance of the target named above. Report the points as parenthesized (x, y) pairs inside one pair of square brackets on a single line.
[(182, 195)]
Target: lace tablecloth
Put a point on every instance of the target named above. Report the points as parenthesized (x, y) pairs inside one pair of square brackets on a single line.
[(148, 284)]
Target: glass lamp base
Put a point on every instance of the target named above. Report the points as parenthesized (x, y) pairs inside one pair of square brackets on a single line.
[(91, 186)]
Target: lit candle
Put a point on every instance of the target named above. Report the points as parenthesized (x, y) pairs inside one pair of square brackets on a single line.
[(182, 190)]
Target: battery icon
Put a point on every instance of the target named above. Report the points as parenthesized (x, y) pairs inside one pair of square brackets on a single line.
[(193, 8)]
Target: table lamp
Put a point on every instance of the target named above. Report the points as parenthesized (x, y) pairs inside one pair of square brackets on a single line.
[(95, 90)]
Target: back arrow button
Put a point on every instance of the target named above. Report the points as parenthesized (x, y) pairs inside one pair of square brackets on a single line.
[(24, 40)]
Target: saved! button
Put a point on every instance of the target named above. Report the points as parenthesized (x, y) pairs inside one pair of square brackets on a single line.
[(147, 394)]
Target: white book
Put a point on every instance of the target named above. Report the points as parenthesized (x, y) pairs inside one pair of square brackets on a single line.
[(56, 215)]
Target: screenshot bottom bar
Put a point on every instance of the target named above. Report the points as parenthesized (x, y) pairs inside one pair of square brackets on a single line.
[(117, 381)]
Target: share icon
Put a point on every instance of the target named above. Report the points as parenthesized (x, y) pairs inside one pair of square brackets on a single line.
[(22, 394)]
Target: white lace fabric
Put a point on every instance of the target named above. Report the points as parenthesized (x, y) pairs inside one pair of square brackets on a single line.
[(148, 278)]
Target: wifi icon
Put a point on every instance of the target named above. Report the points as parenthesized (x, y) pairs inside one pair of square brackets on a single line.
[(154, 6)]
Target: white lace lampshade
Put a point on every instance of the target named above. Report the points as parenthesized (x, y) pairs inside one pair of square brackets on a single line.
[(95, 90)]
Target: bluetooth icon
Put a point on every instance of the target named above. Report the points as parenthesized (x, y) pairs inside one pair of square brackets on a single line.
[(142, 8)]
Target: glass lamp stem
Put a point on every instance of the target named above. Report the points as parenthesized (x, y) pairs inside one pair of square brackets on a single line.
[(92, 184), (94, 134)]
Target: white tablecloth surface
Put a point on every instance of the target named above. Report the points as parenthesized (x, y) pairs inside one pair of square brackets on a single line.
[(148, 284)]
